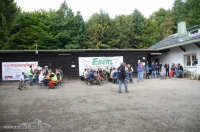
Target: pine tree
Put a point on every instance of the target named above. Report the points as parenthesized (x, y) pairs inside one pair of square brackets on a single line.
[(8, 13), (138, 20)]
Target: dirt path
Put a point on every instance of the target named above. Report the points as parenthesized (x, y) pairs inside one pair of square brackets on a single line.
[(152, 105)]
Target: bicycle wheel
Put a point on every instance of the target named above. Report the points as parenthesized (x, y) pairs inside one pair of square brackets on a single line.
[(25, 84), (21, 85)]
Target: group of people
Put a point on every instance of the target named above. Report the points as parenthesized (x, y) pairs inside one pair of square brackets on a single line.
[(123, 74), (164, 71), (93, 76), (120, 75), (44, 75)]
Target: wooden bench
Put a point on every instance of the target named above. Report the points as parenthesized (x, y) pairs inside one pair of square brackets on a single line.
[(110, 79), (40, 84), (59, 82)]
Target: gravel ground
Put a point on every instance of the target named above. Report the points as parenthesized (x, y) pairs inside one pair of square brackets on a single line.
[(151, 106)]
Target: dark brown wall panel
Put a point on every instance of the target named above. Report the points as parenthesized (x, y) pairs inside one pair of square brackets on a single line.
[(53, 60)]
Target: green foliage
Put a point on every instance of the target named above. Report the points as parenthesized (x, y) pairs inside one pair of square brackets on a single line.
[(193, 17), (138, 20), (64, 29), (8, 14), (162, 20), (35, 28), (98, 31), (122, 30), (150, 34)]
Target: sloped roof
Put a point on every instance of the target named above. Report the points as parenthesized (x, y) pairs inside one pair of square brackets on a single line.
[(176, 39)]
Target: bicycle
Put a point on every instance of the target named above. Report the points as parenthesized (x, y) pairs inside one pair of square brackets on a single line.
[(23, 84)]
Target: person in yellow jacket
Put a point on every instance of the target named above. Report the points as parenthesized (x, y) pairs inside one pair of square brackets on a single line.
[(53, 78), (30, 75)]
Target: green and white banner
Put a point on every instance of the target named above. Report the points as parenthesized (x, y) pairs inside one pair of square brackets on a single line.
[(98, 62)]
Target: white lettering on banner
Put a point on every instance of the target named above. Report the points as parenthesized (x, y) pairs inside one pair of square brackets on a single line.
[(13, 70), (99, 62)]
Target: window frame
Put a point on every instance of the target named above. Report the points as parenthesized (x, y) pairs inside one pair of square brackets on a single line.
[(185, 60), (193, 32)]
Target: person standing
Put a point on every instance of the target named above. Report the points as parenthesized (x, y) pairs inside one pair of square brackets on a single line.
[(157, 69), (140, 70), (130, 71), (147, 71), (160, 66), (167, 69), (37, 73), (30, 75), (172, 70), (122, 78), (154, 69)]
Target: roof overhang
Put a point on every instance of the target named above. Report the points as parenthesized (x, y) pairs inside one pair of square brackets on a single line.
[(63, 51), (180, 44)]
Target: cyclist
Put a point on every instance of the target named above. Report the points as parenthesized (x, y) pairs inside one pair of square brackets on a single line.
[(22, 80)]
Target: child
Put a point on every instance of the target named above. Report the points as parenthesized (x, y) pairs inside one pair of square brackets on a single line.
[(147, 71), (127, 75), (22, 79), (162, 74)]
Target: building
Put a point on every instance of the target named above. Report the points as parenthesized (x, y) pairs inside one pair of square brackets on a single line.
[(182, 47), (68, 61)]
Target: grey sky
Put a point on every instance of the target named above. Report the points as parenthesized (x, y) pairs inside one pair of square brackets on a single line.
[(88, 7)]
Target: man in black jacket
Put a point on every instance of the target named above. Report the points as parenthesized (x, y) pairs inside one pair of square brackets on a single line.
[(167, 69), (122, 78)]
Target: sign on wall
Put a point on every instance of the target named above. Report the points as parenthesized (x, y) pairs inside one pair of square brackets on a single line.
[(13, 70), (98, 62)]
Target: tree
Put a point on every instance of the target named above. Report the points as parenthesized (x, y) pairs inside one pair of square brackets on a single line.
[(35, 28), (167, 27), (79, 38), (138, 20), (8, 13), (150, 35), (70, 27), (122, 32), (98, 30), (193, 17), (160, 17)]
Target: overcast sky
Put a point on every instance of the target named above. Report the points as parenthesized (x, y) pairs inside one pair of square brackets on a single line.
[(88, 7)]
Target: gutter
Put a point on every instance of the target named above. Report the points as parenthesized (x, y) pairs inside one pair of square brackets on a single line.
[(78, 50)]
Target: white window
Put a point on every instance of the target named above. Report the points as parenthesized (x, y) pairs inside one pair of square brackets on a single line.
[(194, 32), (189, 60)]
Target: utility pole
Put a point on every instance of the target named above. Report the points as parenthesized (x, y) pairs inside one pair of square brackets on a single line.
[(36, 51)]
